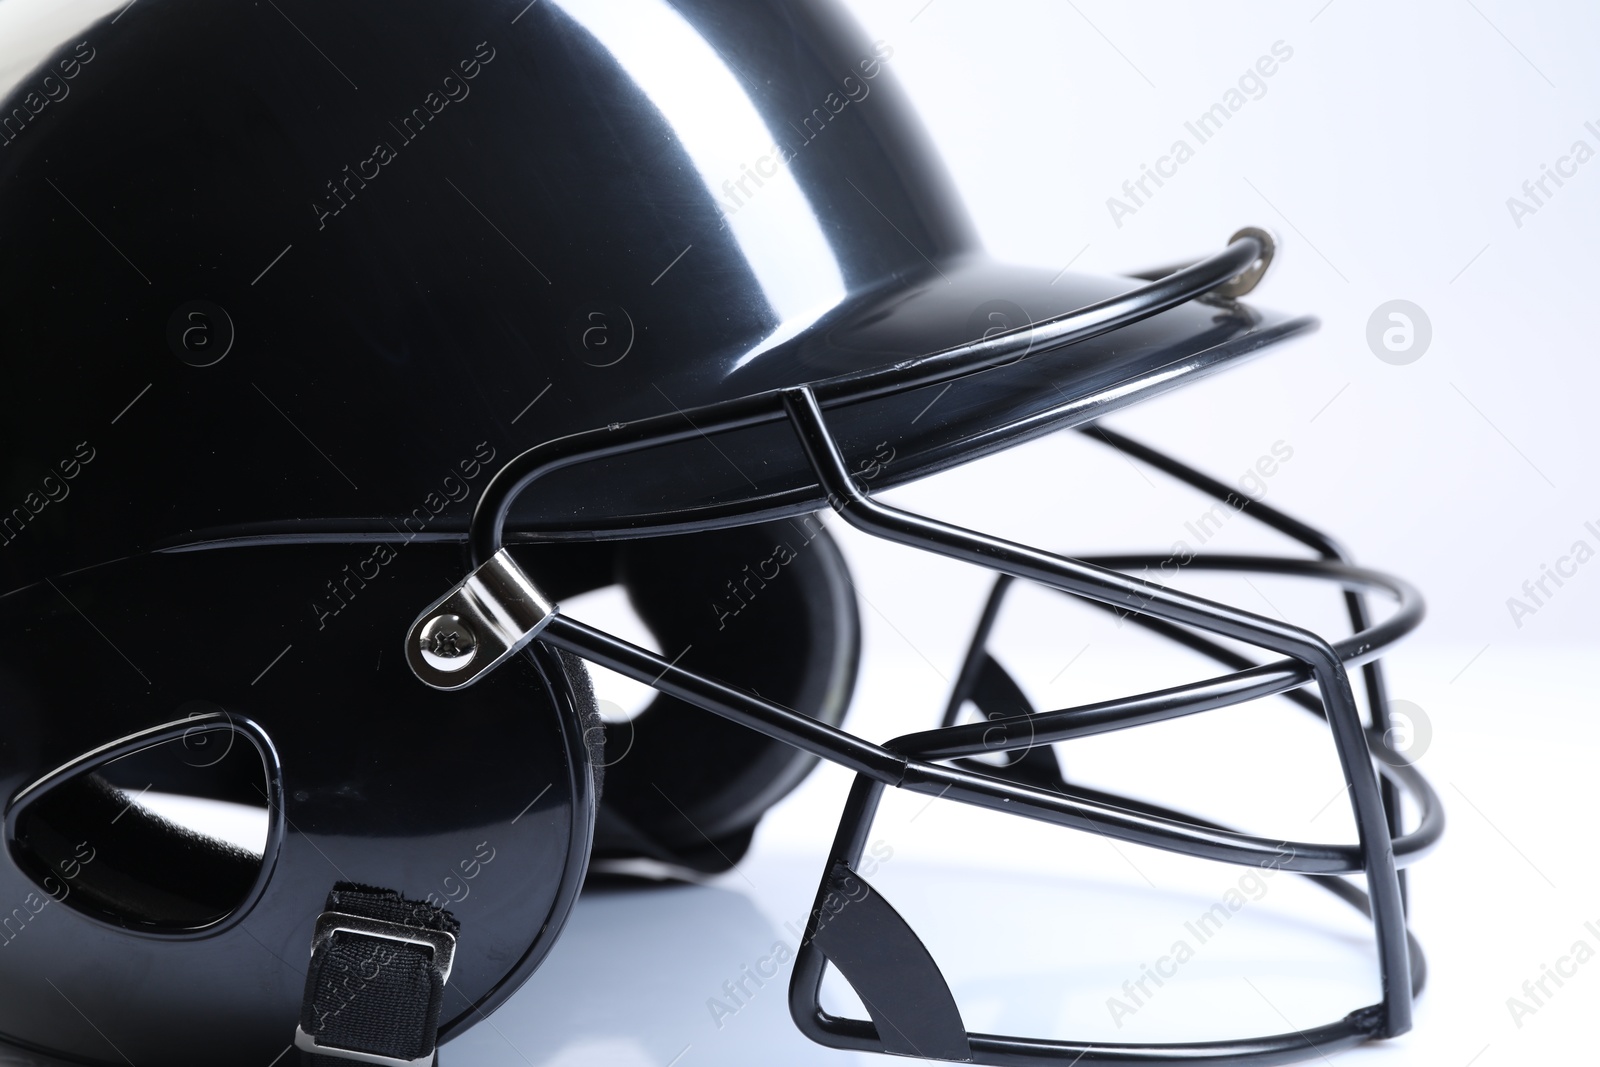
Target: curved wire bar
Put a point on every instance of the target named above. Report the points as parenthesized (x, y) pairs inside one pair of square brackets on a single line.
[(889, 764), (911, 763), (1377, 854), (1006, 1051), (1251, 682), (1096, 583), (1119, 818), (1316, 540), (493, 507)]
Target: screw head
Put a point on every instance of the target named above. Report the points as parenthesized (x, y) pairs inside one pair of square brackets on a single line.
[(448, 644)]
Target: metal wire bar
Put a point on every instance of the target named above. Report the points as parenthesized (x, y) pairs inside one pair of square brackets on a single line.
[(1095, 583), (1101, 813), (1355, 603), (1003, 1051), (1077, 808), (1250, 682), (1312, 661), (494, 506)]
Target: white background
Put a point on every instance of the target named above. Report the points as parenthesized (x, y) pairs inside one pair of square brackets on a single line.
[(1383, 153)]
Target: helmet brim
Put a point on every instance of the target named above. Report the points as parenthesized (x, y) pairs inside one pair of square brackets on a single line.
[(761, 472)]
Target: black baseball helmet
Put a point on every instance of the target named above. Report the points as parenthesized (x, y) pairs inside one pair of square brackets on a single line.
[(314, 313)]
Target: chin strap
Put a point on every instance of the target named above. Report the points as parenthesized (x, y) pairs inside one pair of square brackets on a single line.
[(379, 964)]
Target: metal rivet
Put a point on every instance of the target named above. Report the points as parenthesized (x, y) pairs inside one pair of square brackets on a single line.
[(1248, 278)]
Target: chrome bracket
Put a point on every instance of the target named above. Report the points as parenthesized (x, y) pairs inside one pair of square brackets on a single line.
[(477, 625)]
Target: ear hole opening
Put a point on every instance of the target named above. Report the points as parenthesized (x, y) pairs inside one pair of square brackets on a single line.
[(620, 698), (170, 837)]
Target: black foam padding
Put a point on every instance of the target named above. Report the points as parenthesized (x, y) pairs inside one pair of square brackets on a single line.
[(594, 728), (144, 871), (770, 608)]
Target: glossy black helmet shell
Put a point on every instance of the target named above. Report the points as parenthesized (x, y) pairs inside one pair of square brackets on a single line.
[(546, 249), (284, 285)]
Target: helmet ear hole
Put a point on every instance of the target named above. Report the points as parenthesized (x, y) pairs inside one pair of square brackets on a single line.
[(767, 607), (166, 838)]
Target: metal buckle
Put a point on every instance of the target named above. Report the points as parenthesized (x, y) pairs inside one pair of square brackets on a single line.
[(440, 942)]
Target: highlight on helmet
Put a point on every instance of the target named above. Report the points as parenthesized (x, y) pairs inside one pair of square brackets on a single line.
[(345, 343)]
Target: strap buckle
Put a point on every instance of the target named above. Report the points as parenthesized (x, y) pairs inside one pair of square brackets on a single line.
[(441, 943)]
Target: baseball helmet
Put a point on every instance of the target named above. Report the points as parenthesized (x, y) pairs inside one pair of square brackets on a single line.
[(344, 342)]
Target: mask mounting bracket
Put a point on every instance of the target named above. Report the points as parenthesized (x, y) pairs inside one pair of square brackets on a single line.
[(478, 625), (495, 613)]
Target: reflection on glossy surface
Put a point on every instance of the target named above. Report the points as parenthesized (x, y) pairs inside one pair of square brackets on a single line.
[(31, 29), (412, 225), (568, 238), (370, 778), (407, 214), (629, 984), (634, 980), (702, 100)]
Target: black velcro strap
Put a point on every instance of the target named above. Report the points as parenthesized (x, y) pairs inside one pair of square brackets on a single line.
[(379, 964)]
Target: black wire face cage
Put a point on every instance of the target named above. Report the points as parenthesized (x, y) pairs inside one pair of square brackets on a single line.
[(912, 1010)]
